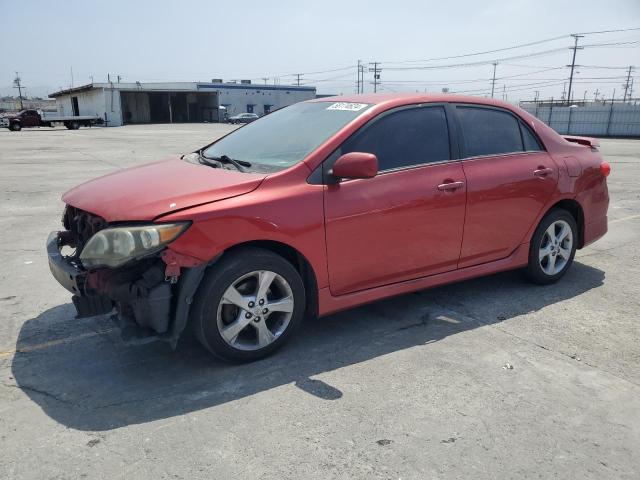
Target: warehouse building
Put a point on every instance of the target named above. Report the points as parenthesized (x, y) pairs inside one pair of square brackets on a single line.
[(177, 102)]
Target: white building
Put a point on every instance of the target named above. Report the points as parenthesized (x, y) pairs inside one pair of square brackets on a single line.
[(175, 102)]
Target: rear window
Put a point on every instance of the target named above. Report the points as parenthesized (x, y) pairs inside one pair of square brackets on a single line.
[(531, 143), (489, 131)]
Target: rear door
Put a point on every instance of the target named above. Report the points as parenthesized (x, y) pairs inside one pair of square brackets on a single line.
[(407, 221), (510, 178)]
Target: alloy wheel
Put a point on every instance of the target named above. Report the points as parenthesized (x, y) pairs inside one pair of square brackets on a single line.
[(556, 246), (255, 310)]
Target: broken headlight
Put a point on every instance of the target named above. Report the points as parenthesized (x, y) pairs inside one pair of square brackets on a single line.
[(113, 247)]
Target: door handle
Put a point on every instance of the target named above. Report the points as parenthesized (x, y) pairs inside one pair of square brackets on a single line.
[(450, 186), (542, 171)]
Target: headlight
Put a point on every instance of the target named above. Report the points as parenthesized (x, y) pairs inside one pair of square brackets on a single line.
[(113, 247)]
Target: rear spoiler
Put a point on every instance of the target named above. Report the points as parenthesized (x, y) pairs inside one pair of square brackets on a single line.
[(586, 141)]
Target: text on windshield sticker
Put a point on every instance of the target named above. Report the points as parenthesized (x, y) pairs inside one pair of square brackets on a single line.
[(349, 107)]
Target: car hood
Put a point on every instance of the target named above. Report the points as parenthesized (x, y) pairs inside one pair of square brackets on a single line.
[(154, 189)]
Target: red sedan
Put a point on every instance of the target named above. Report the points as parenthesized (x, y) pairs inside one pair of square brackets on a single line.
[(325, 205)]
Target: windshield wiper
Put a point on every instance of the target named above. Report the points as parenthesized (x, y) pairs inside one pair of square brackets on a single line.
[(239, 164)]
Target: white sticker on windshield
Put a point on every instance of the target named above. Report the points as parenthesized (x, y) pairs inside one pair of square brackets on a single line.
[(349, 107)]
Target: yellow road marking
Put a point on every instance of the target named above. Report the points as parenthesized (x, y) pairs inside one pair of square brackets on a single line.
[(52, 343), (624, 219)]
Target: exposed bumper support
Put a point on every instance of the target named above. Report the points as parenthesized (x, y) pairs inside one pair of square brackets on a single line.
[(150, 306)]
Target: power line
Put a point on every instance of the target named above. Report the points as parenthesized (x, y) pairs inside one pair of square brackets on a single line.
[(611, 44), (609, 31), (481, 62), (522, 45), (315, 73)]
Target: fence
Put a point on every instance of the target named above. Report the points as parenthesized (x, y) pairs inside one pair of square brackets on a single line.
[(610, 120)]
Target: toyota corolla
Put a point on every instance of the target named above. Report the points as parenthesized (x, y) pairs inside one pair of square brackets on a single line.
[(323, 206)]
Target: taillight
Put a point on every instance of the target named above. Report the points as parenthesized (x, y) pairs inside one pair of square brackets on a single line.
[(605, 169)]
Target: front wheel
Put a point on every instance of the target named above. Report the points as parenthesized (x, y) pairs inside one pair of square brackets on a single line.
[(553, 247), (248, 305)]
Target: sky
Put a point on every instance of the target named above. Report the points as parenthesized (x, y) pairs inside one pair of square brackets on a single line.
[(197, 40)]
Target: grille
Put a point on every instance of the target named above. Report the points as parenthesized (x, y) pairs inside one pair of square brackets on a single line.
[(82, 225)]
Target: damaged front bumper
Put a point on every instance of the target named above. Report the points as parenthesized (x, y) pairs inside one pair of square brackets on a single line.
[(148, 304)]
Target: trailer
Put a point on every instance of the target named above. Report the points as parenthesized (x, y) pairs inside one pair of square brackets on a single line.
[(34, 118)]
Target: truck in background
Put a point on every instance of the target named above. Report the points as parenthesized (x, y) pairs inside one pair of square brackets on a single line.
[(34, 118)]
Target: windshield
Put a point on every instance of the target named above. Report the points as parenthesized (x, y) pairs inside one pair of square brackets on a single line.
[(286, 136)]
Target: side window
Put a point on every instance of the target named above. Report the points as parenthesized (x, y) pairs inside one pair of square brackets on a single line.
[(404, 138), (489, 132), (531, 143)]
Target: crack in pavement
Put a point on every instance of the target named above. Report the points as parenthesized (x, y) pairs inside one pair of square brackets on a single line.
[(473, 319)]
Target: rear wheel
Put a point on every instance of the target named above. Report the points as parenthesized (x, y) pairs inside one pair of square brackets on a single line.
[(249, 305), (72, 125), (15, 127), (553, 247)]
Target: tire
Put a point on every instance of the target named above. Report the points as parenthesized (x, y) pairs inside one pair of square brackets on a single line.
[(258, 333), (552, 247), (15, 127), (74, 126)]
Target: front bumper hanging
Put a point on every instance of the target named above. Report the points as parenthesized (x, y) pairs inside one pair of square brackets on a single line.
[(149, 305)]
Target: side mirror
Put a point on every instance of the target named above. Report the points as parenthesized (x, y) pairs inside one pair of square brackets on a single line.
[(355, 165)]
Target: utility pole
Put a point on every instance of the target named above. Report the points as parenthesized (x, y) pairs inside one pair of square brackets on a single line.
[(504, 92), (595, 95), (625, 86), (376, 75), (71, 77), (265, 79), (575, 48), (358, 81), (493, 80), (298, 79), (119, 77), (16, 84)]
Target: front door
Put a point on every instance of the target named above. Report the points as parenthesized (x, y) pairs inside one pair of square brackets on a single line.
[(407, 221), (510, 178), (30, 119)]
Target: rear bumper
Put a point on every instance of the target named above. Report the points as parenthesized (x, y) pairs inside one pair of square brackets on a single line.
[(595, 230)]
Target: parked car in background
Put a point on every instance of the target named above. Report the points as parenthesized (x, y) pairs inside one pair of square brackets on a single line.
[(243, 118), (33, 118), (325, 205)]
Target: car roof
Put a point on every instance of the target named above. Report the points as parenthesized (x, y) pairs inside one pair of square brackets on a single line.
[(398, 99)]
